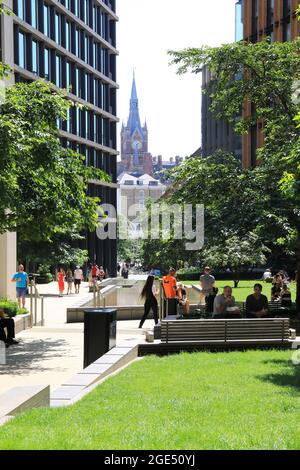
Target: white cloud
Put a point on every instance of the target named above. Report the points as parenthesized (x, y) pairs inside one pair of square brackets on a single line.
[(171, 103)]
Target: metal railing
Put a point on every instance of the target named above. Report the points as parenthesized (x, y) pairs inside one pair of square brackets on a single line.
[(99, 295), (34, 298)]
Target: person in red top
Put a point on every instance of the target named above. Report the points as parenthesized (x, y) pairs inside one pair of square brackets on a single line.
[(61, 281), (170, 290), (95, 270)]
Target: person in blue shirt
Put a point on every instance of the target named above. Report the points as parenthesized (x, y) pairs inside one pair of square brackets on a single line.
[(21, 279)]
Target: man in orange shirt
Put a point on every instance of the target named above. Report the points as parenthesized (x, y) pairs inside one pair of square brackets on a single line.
[(170, 288)]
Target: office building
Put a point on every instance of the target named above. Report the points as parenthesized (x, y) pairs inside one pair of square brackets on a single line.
[(218, 134), (72, 43), (278, 20)]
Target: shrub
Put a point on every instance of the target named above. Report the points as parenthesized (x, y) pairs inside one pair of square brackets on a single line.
[(191, 274), (11, 308)]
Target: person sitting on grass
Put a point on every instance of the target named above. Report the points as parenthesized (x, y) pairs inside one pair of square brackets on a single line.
[(9, 324), (277, 286), (224, 305), (257, 304)]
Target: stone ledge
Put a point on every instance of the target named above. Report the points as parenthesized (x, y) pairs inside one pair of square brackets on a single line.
[(19, 399), (75, 387)]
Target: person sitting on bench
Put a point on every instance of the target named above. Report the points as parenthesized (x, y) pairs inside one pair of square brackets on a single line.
[(9, 324), (224, 305), (182, 298), (257, 303), (286, 297)]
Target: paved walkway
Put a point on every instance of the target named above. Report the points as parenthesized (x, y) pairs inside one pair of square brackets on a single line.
[(53, 353)]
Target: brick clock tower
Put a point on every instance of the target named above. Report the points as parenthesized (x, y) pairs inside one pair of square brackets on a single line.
[(135, 158)]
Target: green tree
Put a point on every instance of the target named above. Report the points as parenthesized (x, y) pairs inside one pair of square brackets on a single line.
[(263, 74), (237, 252), (43, 186)]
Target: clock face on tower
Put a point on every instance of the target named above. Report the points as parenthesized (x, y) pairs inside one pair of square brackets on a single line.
[(136, 145)]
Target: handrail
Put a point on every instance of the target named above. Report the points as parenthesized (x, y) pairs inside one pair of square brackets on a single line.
[(34, 297), (100, 294)]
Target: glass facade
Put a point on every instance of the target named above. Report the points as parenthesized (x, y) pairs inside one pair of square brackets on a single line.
[(78, 53), (239, 33)]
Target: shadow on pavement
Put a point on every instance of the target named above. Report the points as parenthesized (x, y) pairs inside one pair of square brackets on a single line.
[(29, 354)]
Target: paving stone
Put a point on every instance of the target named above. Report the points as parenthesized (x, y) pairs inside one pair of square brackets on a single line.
[(82, 379), (118, 350), (66, 392), (108, 359), (96, 369)]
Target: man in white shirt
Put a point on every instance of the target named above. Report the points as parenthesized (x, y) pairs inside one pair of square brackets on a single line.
[(78, 278), (224, 305), (207, 282)]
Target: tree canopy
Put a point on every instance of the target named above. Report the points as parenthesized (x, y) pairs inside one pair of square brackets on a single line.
[(43, 186)]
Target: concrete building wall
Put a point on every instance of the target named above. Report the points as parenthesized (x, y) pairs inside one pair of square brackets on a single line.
[(8, 257)]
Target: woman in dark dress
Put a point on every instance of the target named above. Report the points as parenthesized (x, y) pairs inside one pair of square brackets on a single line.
[(148, 294)]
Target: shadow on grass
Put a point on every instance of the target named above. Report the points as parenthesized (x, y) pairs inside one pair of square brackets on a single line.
[(289, 377)]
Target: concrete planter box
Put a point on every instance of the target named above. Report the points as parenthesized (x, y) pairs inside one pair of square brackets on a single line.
[(22, 322)]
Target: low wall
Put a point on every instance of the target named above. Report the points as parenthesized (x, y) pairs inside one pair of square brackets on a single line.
[(22, 322), (130, 312)]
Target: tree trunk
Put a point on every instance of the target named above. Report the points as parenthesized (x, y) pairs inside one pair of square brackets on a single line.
[(236, 279)]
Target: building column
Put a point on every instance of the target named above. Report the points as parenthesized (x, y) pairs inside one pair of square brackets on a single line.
[(8, 262), (8, 241)]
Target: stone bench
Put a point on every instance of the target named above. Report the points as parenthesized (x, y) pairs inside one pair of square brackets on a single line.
[(19, 399)]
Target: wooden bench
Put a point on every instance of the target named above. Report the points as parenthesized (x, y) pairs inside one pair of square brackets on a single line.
[(241, 330), (20, 399)]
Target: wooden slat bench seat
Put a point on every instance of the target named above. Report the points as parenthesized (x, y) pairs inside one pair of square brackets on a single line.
[(275, 330)]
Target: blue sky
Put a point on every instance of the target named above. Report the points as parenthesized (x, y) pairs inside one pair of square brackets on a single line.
[(170, 103)]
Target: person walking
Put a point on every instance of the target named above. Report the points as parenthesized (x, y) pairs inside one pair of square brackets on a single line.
[(61, 281), (69, 279), (21, 278), (101, 274), (149, 294), (78, 278)]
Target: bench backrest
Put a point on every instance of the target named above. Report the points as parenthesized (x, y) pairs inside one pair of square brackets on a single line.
[(256, 329)]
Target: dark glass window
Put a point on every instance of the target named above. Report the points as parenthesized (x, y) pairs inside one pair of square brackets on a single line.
[(58, 78), (34, 15), (46, 21), (22, 50), (58, 28), (254, 16), (46, 63), (35, 57), (21, 9), (270, 12), (286, 8), (287, 34)]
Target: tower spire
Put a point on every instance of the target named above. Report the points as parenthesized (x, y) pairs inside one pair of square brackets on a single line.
[(134, 121)]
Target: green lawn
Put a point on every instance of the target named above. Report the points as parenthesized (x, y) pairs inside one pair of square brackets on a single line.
[(245, 288), (235, 400)]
